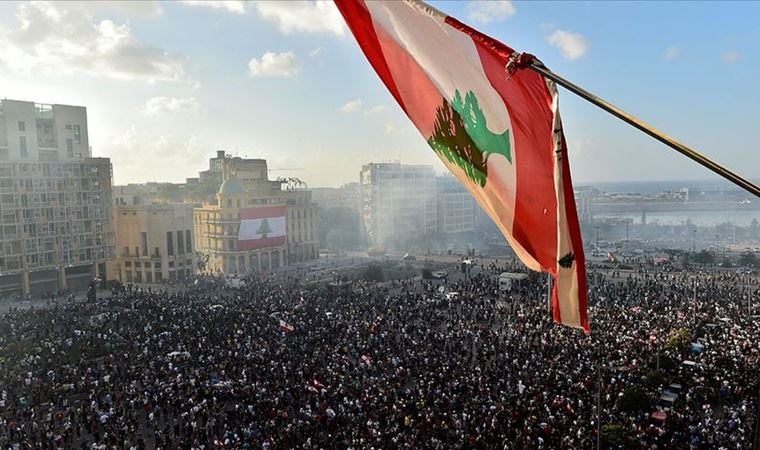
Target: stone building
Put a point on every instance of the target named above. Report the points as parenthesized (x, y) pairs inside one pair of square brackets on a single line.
[(245, 192), (155, 242)]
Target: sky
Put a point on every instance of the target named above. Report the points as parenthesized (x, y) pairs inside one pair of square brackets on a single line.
[(166, 84)]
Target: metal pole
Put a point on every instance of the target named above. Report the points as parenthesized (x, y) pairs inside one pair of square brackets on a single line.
[(690, 153), (599, 411)]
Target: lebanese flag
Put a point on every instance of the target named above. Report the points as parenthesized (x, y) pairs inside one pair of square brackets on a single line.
[(261, 227), (500, 134), (286, 327)]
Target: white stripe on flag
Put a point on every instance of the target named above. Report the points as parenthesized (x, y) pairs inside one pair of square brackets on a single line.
[(250, 229)]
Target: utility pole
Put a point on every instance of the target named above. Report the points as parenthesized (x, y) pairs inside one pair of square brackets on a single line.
[(599, 410), (597, 236), (694, 241)]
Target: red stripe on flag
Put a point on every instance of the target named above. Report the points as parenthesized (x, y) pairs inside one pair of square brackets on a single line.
[(262, 211), (252, 244), (360, 23), (535, 222), (571, 213)]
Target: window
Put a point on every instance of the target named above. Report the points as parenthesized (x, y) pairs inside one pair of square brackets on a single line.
[(137, 251), (180, 243), (169, 243), (77, 134), (188, 241), (148, 277), (22, 146), (156, 252), (144, 243), (127, 263), (69, 148), (126, 251), (128, 273), (21, 126)]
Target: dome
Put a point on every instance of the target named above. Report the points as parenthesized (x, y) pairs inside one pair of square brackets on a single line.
[(232, 186)]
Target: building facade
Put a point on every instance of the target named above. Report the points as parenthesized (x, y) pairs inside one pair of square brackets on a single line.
[(155, 242), (56, 228), (246, 187), (347, 196), (456, 207), (398, 202)]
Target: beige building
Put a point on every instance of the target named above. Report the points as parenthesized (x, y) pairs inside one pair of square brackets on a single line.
[(56, 228), (246, 187), (155, 242)]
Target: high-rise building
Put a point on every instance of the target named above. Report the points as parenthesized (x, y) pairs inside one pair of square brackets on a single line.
[(246, 191), (56, 227), (456, 207), (398, 202), (155, 242)]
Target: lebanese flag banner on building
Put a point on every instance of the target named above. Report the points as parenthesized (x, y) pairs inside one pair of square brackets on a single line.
[(500, 134), (262, 227)]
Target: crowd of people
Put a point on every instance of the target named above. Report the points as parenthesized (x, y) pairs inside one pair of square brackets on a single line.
[(274, 364)]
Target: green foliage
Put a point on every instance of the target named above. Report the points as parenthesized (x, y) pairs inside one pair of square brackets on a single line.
[(656, 378), (613, 435), (748, 259), (704, 257), (678, 340), (634, 399), (666, 362), (373, 272), (427, 273)]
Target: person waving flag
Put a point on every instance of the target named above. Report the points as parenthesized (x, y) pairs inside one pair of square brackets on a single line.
[(495, 126)]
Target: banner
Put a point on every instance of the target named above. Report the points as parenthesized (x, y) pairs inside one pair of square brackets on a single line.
[(262, 227)]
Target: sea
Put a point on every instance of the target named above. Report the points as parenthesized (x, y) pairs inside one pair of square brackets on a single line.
[(738, 216)]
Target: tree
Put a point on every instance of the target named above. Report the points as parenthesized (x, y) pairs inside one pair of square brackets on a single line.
[(678, 340), (427, 273), (704, 257), (748, 259), (613, 435), (634, 399), (264, 229), (373, 272)]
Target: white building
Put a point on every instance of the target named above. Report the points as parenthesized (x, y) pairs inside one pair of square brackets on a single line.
[(398, 202), (456, 207), (55, 200)]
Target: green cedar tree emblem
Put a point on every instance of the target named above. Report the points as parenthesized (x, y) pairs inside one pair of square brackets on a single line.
[(264, 229), (461, 135)]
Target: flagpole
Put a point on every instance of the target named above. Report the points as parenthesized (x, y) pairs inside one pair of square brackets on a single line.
[(689, 152)]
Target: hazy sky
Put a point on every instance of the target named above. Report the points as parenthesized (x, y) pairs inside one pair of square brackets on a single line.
[(166, 84)]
